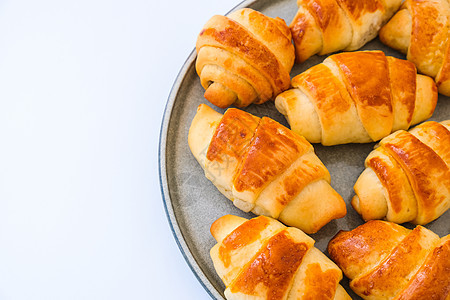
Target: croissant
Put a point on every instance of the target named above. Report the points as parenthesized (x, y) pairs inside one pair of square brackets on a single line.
[(421, 30), (261, 258), (407, 178), (387, 261), (357, 97), (264, 167), (244, 58), (326, 26)]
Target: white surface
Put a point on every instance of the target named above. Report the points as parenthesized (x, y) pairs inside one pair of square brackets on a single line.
[(83, 85)]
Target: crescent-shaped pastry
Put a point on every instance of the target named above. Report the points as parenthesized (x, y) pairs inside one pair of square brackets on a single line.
[(421, 30), (387, 261), (407, 177), (244, 58), (264, 167), (326, 26), (357, 97), (261, 258)]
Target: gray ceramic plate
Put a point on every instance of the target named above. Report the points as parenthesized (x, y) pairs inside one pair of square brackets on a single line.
[(193, 203)]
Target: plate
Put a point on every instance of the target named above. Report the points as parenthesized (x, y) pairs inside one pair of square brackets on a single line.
[(193, 203)]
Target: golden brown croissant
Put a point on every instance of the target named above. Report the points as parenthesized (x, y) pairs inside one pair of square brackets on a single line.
[(421, 30), (387, 261), (407, 178), (265, 168), (244, 58), (326, 26), (263, 259), (357, 97)]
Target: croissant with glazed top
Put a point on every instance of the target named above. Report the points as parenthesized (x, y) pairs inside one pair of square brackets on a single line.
[(421, 30), (244, 58), (407, 177), (357, 97), (387, 261), (261, 258), (326, 26), (264, 167)]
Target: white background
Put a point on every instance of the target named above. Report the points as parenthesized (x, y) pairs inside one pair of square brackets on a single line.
[(83, 85)]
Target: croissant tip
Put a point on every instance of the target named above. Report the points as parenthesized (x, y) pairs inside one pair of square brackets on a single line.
[(220, 95)]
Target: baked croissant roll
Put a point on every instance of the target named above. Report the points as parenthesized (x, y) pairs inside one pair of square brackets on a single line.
[(407, 178), (357, 97), (263, 259), (326, 26), (421, 30), (387, 261), (244, 58), (265, 168)]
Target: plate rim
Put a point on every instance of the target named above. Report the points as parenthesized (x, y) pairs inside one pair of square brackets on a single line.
[(162, 170)]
